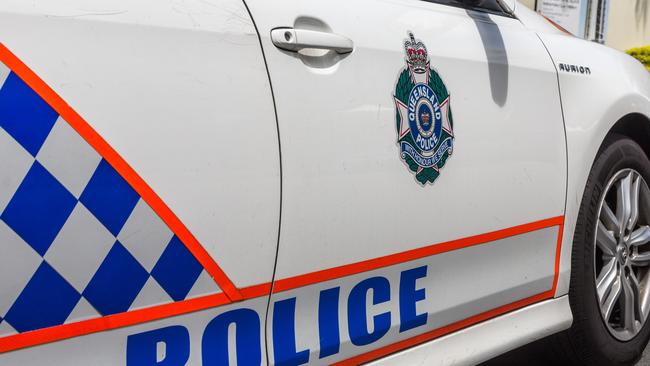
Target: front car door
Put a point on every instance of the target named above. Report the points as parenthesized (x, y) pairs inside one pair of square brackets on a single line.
[(423, 173)]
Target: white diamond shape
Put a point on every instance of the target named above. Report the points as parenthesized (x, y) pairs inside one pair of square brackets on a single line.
[(145, 235), (14, 165), (68, 157), (203, 286), (6, 329), (79, 249), (82, 311), (18, 263), (150, 295), (4, 72)]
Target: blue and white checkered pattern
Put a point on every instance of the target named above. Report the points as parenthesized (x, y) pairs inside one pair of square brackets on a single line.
[(76, 240)]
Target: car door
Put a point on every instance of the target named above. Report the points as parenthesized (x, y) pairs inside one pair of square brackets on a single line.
[(139, 192), (423, 172)]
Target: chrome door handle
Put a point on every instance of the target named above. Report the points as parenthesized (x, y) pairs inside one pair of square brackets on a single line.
[(291, 39)]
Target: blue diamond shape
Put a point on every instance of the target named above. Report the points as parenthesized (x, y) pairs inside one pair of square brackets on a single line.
[(109, 197), (117, 282), (39, 208), (47, 300), (177, 270), (24, 114)]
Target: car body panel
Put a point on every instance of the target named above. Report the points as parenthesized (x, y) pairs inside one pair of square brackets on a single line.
[(616, 85)]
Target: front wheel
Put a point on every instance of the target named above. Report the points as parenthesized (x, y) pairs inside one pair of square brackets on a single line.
[(610, 274)]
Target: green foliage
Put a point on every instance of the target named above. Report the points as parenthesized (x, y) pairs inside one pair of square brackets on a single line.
[(404, 86), (642, 54), (427, 175), (438, 87)]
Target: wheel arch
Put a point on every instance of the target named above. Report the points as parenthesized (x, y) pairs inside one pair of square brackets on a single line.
[(587, 130), (635, 126)]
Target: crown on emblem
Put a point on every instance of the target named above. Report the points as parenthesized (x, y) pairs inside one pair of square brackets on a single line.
[(416, 54)]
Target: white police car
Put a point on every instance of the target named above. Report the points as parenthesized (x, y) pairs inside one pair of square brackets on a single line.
[(289, 182)]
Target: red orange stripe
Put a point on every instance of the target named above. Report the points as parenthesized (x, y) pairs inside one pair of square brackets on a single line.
[(410, 255), (46, 335)]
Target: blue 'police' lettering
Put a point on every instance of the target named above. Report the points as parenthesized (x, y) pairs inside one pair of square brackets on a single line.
[(141, 348), (328, 322), (357, 310), (248, 345), (284, 335), (408, 297)]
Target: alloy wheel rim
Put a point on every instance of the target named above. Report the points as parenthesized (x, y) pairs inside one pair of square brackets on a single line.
[(622, 254)]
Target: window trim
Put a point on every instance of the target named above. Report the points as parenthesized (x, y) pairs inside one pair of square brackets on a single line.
[(504, 12)]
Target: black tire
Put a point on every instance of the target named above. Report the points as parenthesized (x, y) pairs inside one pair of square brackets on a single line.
[(588, 341)]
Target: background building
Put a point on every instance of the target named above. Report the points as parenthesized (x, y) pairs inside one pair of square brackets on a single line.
[(621, 24)]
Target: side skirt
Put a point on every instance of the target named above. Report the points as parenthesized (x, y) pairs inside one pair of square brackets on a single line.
[(489, 339)]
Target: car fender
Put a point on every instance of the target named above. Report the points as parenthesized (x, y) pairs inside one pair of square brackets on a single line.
[(598, 86)]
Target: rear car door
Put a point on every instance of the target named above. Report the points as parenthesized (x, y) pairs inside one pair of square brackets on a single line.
[(423, 172), (139, 191)]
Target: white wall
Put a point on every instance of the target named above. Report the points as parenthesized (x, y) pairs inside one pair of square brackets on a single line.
[(628, 23)]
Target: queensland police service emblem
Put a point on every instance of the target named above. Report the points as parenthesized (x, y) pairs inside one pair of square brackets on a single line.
[(424, 125)]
